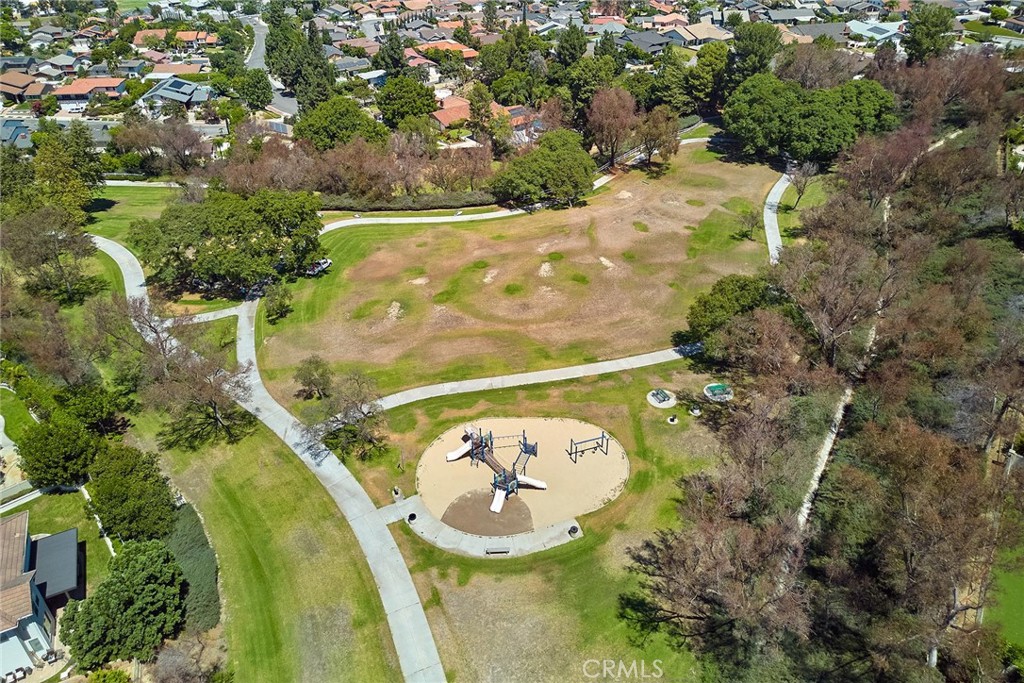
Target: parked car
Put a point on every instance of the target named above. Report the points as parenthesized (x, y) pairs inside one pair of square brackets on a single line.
[(319, 267)]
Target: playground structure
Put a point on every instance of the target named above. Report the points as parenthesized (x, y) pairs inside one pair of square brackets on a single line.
[(479, 446), (578, 448)]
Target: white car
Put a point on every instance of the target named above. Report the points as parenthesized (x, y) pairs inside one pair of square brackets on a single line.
[(319, 267)]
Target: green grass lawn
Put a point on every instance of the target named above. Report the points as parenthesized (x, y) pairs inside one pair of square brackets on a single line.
[(53, 513), (16, 416), (1008, 613), (789, 217), (113, 212), (331, 216), (132, 4), (704, 130), (978, 26), (220, 334), (301, 603)]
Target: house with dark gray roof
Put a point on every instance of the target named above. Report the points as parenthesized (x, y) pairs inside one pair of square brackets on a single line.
[(174, 89), (651, 42), (36, 576)]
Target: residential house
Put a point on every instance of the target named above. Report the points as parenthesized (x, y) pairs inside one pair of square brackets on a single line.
[(147, 36), (17, 63), (468, 53), (154, 56), (876, 32), (129, 68), (700, 33), (16, 132), (375, 78), (371, 47), (66, 64), (835, 31), (174, 89), (14, 84), (167, 70), (349, 66), (791, 16), (196, 40), (1015, 24), (75, 95), (40, 41), (36, 576), (651, 42), (673, 20), (455, 110)]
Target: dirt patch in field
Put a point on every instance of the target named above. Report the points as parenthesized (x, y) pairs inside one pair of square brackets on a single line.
[(471, 513), (605, 280)]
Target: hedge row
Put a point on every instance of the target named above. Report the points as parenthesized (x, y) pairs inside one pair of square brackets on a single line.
[(198, 563), (443, 200)]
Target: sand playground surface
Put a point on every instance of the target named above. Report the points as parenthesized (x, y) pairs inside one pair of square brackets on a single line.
[(459, 493)]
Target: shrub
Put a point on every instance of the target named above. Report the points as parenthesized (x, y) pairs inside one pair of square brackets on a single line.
[(420, 202), (193, 553)]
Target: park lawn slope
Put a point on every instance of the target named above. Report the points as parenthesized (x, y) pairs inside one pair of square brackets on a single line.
[(116, 208), (16, 416), (300, 601)]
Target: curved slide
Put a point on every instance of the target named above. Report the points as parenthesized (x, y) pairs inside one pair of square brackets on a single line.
[(460, 452), (531, 482), (499, 500)]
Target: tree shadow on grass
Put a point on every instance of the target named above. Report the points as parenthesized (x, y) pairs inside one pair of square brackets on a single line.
[(100, 204), (189, 433)]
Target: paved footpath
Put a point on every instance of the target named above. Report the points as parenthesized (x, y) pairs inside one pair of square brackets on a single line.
[(414, 643), (771, 218)]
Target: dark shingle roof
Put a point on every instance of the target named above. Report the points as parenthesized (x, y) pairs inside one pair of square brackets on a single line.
[(55, 559)]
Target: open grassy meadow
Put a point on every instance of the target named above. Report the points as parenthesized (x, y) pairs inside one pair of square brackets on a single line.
[(116, 208), (415, 304)]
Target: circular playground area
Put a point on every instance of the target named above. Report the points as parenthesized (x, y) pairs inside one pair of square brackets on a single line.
[(505, 476)]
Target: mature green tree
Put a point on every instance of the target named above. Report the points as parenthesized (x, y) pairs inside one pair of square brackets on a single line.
[(277, 301), (490, 16), (761, 113), (998, 14), (57, 452), (401, 97), (58, 182), (230, 241), (391, 56), (129, 493), (337, 121), (731, 296), (754, 47), (128, 616), (823, 128), (480, 114), (643, 86), (871, 105), (512, 88), (606, 47), (315, 83), (688, 89), (572, 44), (584, 78), (315, 376), (659, 132), (558, 170), (95, 406), (254, 87), (929, 32), (47, 246)]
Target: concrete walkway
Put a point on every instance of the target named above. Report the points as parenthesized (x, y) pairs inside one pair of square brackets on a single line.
[(19, 501), (434, 531), (771, 218), (538, 377), (414, 643)]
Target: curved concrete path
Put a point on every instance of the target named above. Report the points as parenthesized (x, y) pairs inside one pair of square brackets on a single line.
[(771, 217), (414, 643)]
